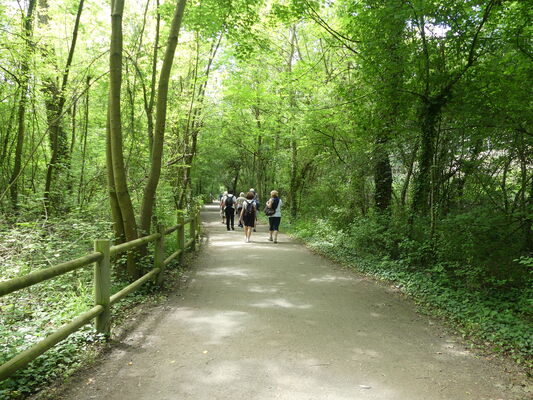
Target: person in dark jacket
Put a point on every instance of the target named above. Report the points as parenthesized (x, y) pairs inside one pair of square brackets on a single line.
[(229, 209)]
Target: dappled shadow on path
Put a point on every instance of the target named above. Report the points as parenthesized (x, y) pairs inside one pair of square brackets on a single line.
[(215, 325), (269, 321)]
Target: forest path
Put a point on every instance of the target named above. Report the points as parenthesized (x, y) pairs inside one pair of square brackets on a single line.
[(265, 321)]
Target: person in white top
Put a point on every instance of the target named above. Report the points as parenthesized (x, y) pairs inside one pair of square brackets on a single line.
[(240, 201), (274, 203), (222, 206)]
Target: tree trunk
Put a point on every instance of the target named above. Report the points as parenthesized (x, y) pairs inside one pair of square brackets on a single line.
[(161, 113), (28, 32), (431, 109), (55, 104), (423, 183), (81, 189), (150, 105), (410, 168), (115, 131), (293, 184), (192, 127), (382, 175), (118, 223)]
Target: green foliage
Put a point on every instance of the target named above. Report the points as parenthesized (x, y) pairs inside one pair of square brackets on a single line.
[(28, 316), (307, 97), (58, 362)]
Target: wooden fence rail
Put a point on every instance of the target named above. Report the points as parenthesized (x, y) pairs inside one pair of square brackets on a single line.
[(101, 257)]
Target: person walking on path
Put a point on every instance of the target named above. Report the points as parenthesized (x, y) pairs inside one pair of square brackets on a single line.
[(274, 203), (240, 201), (222, 203), (229, 210), (248, 216), (256, 200)]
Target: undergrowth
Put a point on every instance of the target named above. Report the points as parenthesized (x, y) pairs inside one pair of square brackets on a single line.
[(29, 315)]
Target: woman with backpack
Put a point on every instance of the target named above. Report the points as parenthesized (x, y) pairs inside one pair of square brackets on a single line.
[(256, 200), (273, 210), (248, 216)]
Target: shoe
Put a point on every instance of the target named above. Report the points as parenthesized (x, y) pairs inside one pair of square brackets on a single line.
[(275, 241), (232, 228), (270, 239), (228, 229), (255, 230)]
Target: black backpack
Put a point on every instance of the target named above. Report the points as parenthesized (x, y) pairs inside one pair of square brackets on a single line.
[(249, 209), (229, 201)]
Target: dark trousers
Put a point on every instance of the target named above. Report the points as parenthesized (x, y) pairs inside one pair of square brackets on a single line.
[(230, 215)]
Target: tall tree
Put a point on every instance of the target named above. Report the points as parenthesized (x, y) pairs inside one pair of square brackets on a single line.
[(386, 28), (55, 104), (160, 123), (121, 205), (437, 92), (21, 112)]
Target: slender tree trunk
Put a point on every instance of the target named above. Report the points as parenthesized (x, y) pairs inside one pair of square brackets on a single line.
[(405, 187), (116, 154), (293, 182), (28, 33), (5, 153), (81, 189), (150, 105), (118, 222), (55, 104), (260, 170), (236, 180), (293, 195), (423, 183), (526, 182), (192, 127), (160, 123), (382, 174), (389, 36)]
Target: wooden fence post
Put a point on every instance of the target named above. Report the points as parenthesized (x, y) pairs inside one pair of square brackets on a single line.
[(198, 224), (102, 286), (159, 253), (181, 238), (192, 232)]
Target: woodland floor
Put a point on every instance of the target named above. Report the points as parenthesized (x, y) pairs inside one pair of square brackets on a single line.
[(275, 321)]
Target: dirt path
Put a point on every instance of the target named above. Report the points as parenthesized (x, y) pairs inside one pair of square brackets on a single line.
[(265, 321)]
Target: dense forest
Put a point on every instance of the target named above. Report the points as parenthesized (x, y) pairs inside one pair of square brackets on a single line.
[(398, 133)]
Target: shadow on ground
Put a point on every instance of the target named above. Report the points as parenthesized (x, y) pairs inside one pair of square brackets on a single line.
[(274, 321)]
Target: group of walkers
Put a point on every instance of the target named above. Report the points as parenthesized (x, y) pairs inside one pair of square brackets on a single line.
[(246, 208)]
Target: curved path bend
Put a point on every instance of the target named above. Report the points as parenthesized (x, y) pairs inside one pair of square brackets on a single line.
[(264, 321)]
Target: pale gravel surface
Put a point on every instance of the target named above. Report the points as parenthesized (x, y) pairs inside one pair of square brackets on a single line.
[(268, 321)]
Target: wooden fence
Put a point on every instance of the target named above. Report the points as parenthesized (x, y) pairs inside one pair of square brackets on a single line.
[(101, 257)]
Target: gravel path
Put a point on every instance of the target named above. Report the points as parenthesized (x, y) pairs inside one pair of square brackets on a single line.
[(265, 321)]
